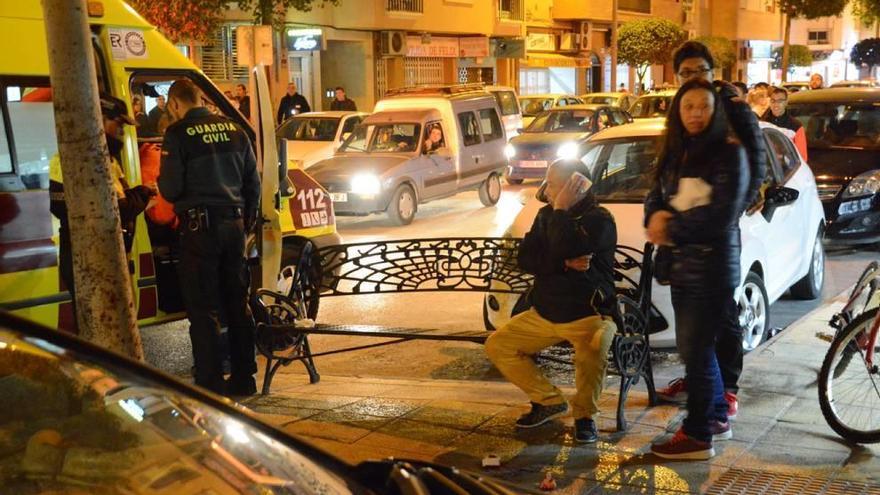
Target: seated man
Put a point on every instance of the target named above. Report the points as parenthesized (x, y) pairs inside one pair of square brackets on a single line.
[(570, 250)]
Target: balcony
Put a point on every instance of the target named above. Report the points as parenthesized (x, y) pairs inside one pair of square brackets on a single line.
[(406, 6), (511, 10)]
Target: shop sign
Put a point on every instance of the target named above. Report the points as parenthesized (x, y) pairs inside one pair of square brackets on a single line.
[(476, 47), (437, 46), (303, 40), (541, 42)]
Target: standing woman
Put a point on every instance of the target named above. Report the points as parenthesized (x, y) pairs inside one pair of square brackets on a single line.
[(694, 207)]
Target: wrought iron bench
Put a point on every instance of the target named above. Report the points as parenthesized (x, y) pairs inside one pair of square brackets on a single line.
[(424, 265)]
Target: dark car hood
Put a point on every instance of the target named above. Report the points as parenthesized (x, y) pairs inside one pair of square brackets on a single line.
[(840, 165), (342, 167), (540, 139)]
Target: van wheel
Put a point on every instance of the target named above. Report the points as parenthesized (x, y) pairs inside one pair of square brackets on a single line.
[(810, 287), (403, 206), (490, 190)]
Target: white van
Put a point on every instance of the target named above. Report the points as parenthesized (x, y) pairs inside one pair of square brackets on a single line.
[(508, 105)]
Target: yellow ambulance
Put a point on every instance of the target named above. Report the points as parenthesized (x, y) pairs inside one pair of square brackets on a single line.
[(134, 62)]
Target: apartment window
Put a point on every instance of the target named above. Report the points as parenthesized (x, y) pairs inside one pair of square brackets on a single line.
[(817, 38), (641, 6), (511, 9), (415, 6), (219, 54)]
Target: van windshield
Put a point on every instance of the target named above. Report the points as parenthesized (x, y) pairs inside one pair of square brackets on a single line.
[(384, 138)]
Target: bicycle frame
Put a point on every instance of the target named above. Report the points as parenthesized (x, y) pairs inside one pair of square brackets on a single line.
[(870, 343)]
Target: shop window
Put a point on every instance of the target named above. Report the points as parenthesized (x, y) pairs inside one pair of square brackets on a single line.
[(470, 130), (490, 125)]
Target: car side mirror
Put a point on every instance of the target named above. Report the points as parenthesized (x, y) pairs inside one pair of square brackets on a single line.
[(777, 196)]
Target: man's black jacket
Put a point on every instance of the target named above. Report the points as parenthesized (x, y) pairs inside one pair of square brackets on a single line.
[(207, 160), (745, 125), (562, 295), (296, 102), (786, 121), (347, 105)]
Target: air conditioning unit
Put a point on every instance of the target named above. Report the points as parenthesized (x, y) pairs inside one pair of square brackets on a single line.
[(569, 42), (392, 43)]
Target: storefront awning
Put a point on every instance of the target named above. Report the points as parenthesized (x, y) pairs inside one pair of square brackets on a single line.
[(546, 60)]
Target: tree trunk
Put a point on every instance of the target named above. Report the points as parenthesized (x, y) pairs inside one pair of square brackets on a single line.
[(105, 308), (613, 45), (786, 47)]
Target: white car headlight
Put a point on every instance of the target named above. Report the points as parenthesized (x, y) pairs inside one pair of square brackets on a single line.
[(567, 151), (509, 151), (366, 184), (867, 183)]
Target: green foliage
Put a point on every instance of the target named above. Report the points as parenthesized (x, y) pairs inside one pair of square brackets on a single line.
[(274, 12), (646, 42), (799, 56), (722, 49), (811, 9), (866, 52), (867, 11)]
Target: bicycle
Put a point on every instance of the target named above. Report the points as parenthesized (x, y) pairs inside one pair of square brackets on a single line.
[(849, 381)]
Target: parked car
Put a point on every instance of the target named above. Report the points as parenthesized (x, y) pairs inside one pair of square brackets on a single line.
[(781, 244), (620, 100), (314, 136), (866, 83), (532, 105), (86, 420), (557, 133), (652, 105), (842, 126), (385, 166), (795, 86), (508, 105)]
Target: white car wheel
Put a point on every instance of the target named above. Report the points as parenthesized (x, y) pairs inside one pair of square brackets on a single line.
[(754, 317)]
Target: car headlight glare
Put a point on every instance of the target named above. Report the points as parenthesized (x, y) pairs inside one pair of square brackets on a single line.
[(509, 151), (863, 185), (567, 151), (366, 184)]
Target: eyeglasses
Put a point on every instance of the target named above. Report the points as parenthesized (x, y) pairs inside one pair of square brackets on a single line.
[(687, 73), (778, 100)]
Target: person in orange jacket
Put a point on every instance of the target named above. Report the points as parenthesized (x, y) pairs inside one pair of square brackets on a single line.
[(161, 211)]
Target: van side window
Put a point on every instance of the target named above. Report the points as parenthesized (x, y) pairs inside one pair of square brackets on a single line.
[(349, 124), (490, 125), (5, 153), (32, 122), (507, 102), (470, 130)]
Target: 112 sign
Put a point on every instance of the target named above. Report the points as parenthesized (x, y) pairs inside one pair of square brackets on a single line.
[(314, 208)]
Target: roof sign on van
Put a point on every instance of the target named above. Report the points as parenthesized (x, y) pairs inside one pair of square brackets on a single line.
[(127, 43)]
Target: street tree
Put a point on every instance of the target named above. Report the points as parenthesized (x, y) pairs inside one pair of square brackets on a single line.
[(647, 42), (722, 49), (868, 11), (804, 9), (104, 300), (798, 56), (866, 52)]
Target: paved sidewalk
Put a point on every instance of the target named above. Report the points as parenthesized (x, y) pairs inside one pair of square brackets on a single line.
[(781, 443)]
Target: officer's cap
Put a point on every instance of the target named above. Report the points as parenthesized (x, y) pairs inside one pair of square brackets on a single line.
[(114, 108)]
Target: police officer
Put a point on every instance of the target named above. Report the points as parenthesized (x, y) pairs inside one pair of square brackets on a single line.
[(210, 174), (131, 200)]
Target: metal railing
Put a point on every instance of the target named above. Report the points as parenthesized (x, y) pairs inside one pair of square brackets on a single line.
[(415, 6), (512, 10)]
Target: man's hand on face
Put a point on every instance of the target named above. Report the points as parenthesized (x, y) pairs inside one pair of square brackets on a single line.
[(570, 193), (657, 224), (580, 264)]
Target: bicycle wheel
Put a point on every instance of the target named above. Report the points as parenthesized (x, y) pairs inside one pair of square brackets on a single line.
[(861, 292), (849, 389)]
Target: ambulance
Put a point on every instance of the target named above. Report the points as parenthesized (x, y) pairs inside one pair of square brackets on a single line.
[(134, 62)]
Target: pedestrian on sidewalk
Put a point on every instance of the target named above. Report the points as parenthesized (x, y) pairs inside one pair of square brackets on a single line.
[(694, 207), (292, 104), (570, 250), (342, 102), (215, 188), (693, 60), (778, 115)]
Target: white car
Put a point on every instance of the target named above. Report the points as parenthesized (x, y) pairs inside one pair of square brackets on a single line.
[(315, 136), (532, 105), (781, 245)]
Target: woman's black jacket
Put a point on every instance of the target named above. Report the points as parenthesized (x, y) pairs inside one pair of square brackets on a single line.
[(706, 251)]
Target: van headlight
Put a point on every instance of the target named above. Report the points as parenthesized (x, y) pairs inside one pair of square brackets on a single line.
[(509, 151), (567, 151), (867, 183), (365, 184)]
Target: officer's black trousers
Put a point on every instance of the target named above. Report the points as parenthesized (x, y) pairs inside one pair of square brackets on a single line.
[(214, 274)]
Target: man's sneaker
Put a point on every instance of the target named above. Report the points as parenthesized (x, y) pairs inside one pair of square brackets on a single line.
[(732, 405), (585, 431), (541, 414), (681, 446), (676, 392), (720, 431)]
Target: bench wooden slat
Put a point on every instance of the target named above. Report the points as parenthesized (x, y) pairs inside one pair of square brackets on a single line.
[(478, 337)]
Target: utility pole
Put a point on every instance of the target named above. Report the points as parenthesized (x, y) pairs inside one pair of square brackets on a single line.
[(614, 45), (104, 302)]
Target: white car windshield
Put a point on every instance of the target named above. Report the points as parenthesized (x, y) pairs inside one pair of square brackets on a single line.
[(650, 106), (578, 120), (534, 106), (309, 129), (600, 100), (622, 169)]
